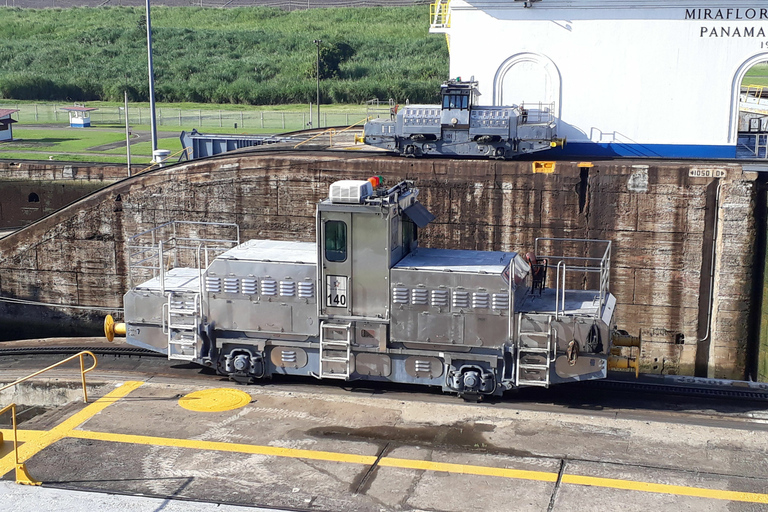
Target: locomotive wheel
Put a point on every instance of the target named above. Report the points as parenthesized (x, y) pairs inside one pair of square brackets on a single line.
[(410, 150)]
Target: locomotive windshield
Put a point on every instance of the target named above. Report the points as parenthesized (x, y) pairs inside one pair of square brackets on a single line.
[(335, 240), (460, 101)]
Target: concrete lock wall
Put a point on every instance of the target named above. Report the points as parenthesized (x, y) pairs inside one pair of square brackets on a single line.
[(655, 78), (664, 225), (31, 190)]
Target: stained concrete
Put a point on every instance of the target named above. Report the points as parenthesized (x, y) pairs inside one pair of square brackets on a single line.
[(664, 225), (642, 452)]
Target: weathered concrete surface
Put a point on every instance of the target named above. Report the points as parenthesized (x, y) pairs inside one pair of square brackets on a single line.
[(298, 448), (31, 190), (663, 223)]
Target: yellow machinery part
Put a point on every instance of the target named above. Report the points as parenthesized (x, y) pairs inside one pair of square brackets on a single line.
[(23, 477), (558, 143), (543, 167), (625, 340), (624, 363), (112, 328)]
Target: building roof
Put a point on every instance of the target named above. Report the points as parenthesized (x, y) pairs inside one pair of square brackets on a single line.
[(79, 109), (7, 111)]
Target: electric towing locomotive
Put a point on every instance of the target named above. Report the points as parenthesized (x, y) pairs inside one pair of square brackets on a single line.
[(365, 302), (461, 127)]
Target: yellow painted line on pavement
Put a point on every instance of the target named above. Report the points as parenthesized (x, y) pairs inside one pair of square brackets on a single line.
[(425, 465), (274, 451), (465, 469), (23, 435), (679, 490), (63, 429)]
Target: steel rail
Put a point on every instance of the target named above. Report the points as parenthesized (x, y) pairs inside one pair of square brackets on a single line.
[(83, 371), (713, 388)]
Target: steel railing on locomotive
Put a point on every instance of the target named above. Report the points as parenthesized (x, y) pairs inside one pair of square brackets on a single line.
[(365, 302), (458, 126)]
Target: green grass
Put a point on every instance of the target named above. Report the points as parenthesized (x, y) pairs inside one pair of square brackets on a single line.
[(256, 55), (757, 75), (77, 144)]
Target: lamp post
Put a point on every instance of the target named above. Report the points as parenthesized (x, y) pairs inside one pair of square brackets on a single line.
[(153, 121), (317, 42)]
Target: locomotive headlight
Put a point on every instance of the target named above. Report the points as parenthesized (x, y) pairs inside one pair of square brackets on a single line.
[(454, 121)]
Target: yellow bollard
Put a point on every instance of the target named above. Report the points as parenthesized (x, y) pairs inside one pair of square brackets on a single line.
[(112, 328)]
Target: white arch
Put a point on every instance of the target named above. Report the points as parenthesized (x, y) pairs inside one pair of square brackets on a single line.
[(733, 128), (544, 62)]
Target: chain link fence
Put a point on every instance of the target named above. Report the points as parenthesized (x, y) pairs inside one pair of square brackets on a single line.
[(288, 5), (273, 121)]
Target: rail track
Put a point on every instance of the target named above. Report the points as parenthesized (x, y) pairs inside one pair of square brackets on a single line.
[(658, 386)]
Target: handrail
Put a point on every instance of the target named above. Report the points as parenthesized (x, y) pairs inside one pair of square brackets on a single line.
[(83, 371), (22, 476)]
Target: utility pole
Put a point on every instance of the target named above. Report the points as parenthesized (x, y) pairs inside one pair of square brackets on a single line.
[(153, 120), (127, 135), (317, 42)]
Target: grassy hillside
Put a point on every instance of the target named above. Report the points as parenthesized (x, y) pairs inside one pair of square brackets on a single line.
[(245, 55)]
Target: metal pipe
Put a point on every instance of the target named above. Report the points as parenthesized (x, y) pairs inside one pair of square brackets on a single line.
[(713, 263)]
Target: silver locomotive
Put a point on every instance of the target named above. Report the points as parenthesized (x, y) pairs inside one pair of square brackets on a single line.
[(365, 302), (459, 127)]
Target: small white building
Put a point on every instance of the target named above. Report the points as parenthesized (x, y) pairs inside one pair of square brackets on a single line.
[(6, 124), (653, 78), (79, 116)]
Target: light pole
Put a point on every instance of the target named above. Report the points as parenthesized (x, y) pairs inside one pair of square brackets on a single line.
[(153, 121), (317, 42), (127, 134)]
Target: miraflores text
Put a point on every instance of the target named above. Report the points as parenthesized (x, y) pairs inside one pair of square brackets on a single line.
[(727, 14)]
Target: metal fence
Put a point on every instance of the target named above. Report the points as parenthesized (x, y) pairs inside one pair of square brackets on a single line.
[(274, 121), (288, 5)]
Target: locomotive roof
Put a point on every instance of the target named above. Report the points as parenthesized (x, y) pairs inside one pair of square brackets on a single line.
[(452, 260), (273, 250)]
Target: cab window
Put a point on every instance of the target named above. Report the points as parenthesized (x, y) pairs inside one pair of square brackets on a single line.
[(335, 240)]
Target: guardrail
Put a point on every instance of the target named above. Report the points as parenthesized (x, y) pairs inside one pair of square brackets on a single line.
[(22, 475)]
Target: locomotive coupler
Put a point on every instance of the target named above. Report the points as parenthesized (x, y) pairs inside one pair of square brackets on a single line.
[(470, 379)]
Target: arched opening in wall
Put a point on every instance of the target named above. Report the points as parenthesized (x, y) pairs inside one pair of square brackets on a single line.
[(528, 79), (33, 198), (750, 109)]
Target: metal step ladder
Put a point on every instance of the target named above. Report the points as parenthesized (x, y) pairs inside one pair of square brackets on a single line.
[(336, 345), (534, 352), (182, 323)]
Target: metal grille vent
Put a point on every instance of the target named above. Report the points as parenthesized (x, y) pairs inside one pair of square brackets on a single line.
[(268, 287), (400, 295), (213, 284), (288, 356), (422, 366), (500, 301), (419, 296), (306, 289), (460, 299), (248, 285), (231, 285), (480, 300), (440, 298), (288, 288)]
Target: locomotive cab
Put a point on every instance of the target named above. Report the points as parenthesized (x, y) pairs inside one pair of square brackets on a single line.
[(457, 100)]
